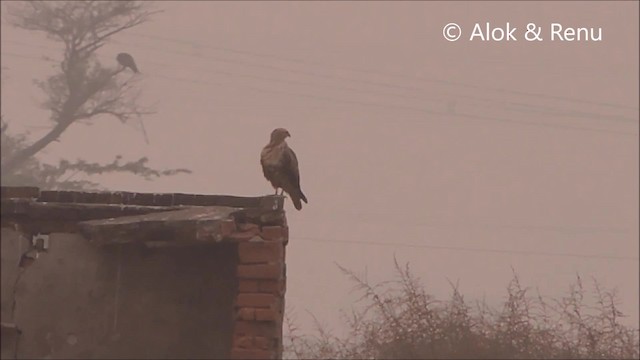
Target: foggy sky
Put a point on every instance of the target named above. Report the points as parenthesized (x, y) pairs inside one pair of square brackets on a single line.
[(364, 90)]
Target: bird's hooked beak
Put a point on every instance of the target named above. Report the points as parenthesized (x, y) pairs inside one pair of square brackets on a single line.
[(287, 134)]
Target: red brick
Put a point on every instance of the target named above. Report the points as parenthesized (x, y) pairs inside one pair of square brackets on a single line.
[(256, 300), (245, 342), (249, 227), (254, 342), (260, 271), (227, 227), (245, 313), (256, 252), (238, 353), (250, 286), (276, 287), (264, 343), (243, 236), (252, 328), (272, 233), (267, 315)]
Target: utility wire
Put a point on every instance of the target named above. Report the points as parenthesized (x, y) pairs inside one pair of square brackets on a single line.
[(380, 218), (469, 249), (378, 72), (368, 82), (403, 107), (501, 104), (515, 106)]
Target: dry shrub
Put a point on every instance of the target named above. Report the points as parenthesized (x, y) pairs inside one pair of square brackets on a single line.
[(400, 320)]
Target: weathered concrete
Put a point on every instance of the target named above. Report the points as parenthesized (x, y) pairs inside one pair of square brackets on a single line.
[(12, 247), (125, 301), (178, 226)]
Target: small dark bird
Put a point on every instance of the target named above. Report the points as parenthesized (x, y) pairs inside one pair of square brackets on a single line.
[(280, 167), (126, 60)]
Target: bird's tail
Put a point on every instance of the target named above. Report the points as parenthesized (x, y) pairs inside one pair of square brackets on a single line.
[(296, 200)]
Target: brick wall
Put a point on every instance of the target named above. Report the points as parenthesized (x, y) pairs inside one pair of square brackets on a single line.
[(259, 305)]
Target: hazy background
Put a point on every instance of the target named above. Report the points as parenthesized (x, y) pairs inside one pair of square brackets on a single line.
[(408, 144)]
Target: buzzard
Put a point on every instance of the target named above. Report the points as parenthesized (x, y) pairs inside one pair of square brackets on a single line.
[(126, 60), (280, 167)]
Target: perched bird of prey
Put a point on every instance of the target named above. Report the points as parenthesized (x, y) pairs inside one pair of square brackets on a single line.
[(126, 60), (280, 167)]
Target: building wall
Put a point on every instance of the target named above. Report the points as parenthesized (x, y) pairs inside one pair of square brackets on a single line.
[(123, 301), (220, 294), (12, 248)]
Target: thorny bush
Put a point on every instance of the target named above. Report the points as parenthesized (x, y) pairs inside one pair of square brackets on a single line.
[(402, 321)]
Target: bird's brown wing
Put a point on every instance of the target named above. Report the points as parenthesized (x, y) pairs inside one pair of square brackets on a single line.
[(289, 166), (289, 162), (266, 169)]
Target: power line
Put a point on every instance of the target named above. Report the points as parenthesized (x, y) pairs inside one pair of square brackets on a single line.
[(377, 219), (404, 107), (270, 79), (530, 107), (394, 74), (467, 116), (515, 106), (469, 249), (306, 73), (342, 78), (526, 108)]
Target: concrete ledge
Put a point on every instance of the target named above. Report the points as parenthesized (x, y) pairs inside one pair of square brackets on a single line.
[(271, 202)]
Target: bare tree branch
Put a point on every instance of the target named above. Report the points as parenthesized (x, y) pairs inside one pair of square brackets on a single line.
[(46, 176), (84, 88)]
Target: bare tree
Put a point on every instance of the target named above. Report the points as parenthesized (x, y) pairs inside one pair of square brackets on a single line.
[(83, 89)]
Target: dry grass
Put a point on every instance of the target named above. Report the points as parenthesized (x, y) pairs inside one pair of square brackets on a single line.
[(401, 321)]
